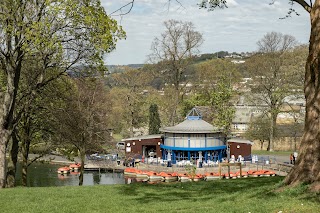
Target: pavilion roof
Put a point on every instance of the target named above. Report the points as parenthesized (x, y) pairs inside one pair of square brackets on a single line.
[(192, 124)]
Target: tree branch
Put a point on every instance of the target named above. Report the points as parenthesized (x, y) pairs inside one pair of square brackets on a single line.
[(132, 2), (304, 4)]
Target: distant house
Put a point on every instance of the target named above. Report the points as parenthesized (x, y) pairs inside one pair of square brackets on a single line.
[(239, 146), (143, 146), (242, 118)]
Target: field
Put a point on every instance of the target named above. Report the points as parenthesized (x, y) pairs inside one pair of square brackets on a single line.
[(275, 153), (239, 195)]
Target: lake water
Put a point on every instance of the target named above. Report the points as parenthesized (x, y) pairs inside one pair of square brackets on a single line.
[(42, 174)]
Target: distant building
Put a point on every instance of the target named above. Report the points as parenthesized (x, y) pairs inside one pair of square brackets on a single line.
[(243, 117), (193, 139), (143, 146), (239, 146)]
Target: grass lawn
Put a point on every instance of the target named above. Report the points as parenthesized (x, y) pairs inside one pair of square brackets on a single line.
[(277, 153), (239, 195)]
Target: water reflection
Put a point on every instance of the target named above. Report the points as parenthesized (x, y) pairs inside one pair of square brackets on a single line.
[(96, 178), (46, 175)]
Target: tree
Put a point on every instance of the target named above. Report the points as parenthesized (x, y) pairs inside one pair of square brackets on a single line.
[(154, 120), (34, 130), (212, 87), (297, 116), (174, 52), (272, 80), (128, 99), (82, 119), (259, 130), (63, 33), (307, 167), (218, 100), (33, 119)]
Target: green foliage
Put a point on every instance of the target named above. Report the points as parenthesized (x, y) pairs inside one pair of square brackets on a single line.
[(213, 82), (218, 100), (128, 110), (191, 170), (154, 120), (259, 129), (82, 120)]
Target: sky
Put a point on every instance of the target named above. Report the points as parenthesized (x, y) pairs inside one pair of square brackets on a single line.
[(234, 29)]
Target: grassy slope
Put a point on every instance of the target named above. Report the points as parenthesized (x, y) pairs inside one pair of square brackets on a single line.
[(239, 195), (277, 153)]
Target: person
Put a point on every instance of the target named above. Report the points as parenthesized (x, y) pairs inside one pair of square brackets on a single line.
[(291, 158), (125, 162), (133, 162), (295, 155)]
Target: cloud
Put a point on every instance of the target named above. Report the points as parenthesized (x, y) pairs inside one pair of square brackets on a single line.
[(236, 28)]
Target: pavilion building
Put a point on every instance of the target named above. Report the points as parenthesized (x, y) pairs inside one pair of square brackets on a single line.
[(193, 139)]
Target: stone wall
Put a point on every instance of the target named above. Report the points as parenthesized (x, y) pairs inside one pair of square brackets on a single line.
[(280, 144)]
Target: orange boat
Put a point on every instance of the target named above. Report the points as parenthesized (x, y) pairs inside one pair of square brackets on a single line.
[(75, 166), (212, 176), (231, 175), (153, 176), (169, 177), (130, 171), (244, 174), (267, 173), (64, 170), (254, 173), (198, 177), (142, 174), (184, 177)]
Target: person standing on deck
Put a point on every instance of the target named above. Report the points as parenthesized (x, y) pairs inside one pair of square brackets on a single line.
[(295, 155), (291, 158)]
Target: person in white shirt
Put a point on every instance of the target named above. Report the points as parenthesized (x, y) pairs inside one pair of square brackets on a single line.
[(295, 155)]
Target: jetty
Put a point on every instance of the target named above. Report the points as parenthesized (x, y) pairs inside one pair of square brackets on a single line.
[(280, 170)]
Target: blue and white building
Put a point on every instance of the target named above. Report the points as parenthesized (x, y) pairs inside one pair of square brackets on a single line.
[(193, 139)]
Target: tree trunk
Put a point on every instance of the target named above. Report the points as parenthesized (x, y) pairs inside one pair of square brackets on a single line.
[(12, 163), (273, 121), (307, 167), (4, 138), (25, 156), (173, 116), (13, 70), (24, 169), (261, 144), (6, 125), (82, 158), (25, 145)]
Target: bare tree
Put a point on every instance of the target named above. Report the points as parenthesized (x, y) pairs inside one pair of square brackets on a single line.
[(174, 51), (273, 80), (258, 129), (276, 42), (82, 120)]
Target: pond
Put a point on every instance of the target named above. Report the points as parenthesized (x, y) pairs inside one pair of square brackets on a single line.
[(43, 174)]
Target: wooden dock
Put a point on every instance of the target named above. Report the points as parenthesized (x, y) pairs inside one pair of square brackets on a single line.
[(103, 167), (280, 169)]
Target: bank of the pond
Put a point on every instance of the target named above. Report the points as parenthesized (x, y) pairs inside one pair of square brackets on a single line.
[(239, 195), (45, 174)]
